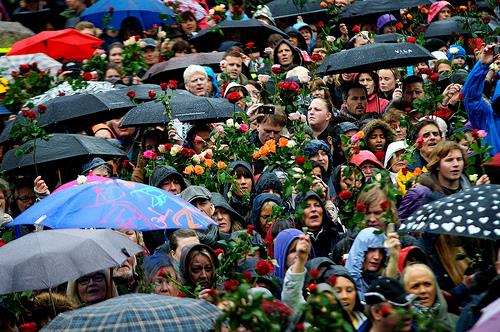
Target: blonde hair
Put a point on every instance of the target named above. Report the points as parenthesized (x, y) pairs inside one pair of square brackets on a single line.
[(372, 193), (447, 254), (440, 151)]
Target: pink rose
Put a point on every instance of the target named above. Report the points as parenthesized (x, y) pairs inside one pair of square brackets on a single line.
[(148, 154), (263, 78), (355, 138), (243, 127), (420, 140), (482, 133)]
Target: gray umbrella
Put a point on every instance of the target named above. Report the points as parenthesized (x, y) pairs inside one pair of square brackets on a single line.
[(174, 68), (141, 91), (186, 107), (10, 32), (453, 26), (48, 258), (58, 148)]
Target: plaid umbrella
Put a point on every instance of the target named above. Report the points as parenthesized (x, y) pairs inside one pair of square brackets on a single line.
[(44, 62), (139, 312)]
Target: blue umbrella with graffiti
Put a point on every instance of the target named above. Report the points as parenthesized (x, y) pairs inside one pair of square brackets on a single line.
[(114, 204)]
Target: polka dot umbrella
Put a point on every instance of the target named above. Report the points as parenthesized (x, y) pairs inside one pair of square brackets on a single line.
[(473, 212)]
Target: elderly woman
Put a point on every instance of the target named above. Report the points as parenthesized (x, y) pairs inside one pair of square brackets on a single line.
[(419, 279), (91, 288), (160, 272)]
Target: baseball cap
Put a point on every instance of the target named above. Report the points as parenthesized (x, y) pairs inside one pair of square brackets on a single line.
[(192, 193), (388, 290), (150, 42)]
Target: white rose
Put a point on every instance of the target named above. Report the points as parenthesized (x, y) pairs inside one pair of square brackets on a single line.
[(196, 158), (162, 34), (330, 39), (81, 179), (473, 178), (494, 67), (291, 143), (103, 56), (378, 177), (161, 148), (230, 122), (297, 170), (175, 150), (142, 44)]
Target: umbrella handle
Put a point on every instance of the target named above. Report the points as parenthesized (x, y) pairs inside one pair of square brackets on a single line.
[(52, 302)]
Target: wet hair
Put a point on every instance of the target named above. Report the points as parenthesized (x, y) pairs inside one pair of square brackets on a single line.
[(187, 15), (374, 77), (173, 238), (419, 125), (351, 86), (412, 79), (393, 115), (273, 39), (437, 63), (232, 52), (278, 117), (181, 46), (440, 151), (240, 171)]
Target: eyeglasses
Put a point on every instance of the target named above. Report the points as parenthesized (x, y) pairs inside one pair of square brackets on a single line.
[(26, 198), (96, 277)]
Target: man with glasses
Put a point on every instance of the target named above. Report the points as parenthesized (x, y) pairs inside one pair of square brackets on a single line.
[(388, 307)]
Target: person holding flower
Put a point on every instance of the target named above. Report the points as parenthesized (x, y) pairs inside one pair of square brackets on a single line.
[(426, 134), (198, 264), (378, 136), (160, 272)]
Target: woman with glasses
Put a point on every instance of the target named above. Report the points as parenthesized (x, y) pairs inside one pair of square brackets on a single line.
[(23, 196), (91, 288)]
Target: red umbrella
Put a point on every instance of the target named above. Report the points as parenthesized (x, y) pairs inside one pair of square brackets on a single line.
[(69, 44)]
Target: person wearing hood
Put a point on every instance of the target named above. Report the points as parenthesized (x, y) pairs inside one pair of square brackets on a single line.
[(324, 232), (239, 196), (419, 279), (268, 183), (378, 136), (386, 24), (481, 114), (91, 288), (393, 162), (296, 38), (367, 162), (366, 261), (307, 32), (286, 55), (262, 212), (227, 218), (212, 85), (348, 129), (234, 87), (317, 150), (160, 272), (411, 255), (168, 179), (439, 11), (197, 268)]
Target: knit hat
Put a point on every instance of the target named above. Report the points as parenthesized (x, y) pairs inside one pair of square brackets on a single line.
[(383, 20), (264, 11), (456, 51)]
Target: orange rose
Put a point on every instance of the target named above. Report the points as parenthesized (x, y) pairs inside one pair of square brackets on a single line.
[(256, 154), (331, 2), (209, 163), (271, 145), (221, 164), (282, 142), (198, 170), (424, 10), (323, 4), (462, 8), (417, 171), (409, 16), (189, 170), (361, 134), (264, 150)]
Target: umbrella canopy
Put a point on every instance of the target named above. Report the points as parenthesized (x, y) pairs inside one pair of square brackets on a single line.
[(139, 313), (5, 134), (88, 179), (188, 5), (287, 8), (186, 107), (48, 258), (10, 32), (446, 28), (473, 212), (66, 89), (68, 44), (43, 61), (141, 91), (67, 113), (362, 8), (243, 31), (174, 68), (59, 148), (389, 38), (372, 57), (147, 12), (114, 204)]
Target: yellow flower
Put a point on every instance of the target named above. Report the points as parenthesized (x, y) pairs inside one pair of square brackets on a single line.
[(199, 170), (189, 170), (209, 163)]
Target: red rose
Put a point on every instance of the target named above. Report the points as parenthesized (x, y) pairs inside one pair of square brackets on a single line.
[(212, 292), (411, 40), (380, 155), (344, 195), (276, 69), (164, 86), (34, 65), (300, 160), (316, 57), (314, 274), (218, 251), (42, 108), (152, 94), (332, 280), (264, 267), (87, 76), (356, 29), (181, 294), (475, 133), (137, 37), (250, 45), (461, 96), (486, 20), (426, 70), (453, 34), (61, 94), (398, 26), (386, 309), (231, 285), (111, 10), (233, 97), (32, 115), (25, 113), (384, 205), (320, 25), (250, 229), (24, 67), (360, 207), (131, 94), (28, 327), (444, 113), (460, 37), (300, 327), (247, 276), (404, 171), (312, 288), (408, 109), (172, 84), (434, 77), (216, 17)]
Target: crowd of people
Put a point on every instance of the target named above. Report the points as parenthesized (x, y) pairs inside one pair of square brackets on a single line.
[(307, 183)]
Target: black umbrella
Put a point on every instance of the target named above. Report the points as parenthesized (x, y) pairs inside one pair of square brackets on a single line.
[(454, 25), (141, 91), (473, 212), (373, 57), (59, 148), (5, 134), (287, 8), (80, 111), (242, 31), (174, 68), (185, 106), (362, 8), (389, 38)]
